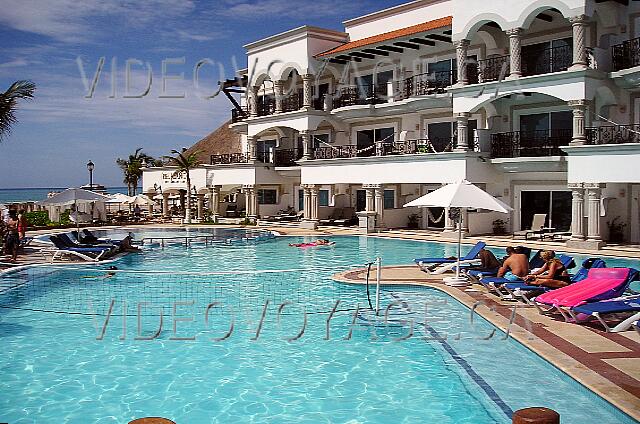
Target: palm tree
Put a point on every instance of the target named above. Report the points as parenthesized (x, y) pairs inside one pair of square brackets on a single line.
[(132, 169), (9, 102), (185, 162)]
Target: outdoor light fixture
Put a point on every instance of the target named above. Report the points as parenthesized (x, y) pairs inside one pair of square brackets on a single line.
[(90, 167)]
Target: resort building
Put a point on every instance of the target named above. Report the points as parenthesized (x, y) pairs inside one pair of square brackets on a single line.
[(537, 102)]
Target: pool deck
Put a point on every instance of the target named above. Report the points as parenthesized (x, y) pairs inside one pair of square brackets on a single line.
[(606, 363)]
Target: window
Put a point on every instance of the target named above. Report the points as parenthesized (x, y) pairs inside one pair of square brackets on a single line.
[(550, 56), (389, 199), (321, 140), (323, 197), (265, 149), (367, 138), (267, 196), (442, 135), (300, 199)]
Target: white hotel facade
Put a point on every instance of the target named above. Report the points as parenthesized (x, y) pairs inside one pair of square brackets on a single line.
[(537, 102)]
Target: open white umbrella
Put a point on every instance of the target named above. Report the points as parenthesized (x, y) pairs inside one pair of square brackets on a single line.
[(460, 195), (140, 200), (118, 198), (73, 196)]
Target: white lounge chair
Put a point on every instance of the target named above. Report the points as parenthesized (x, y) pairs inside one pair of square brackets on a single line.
[(537, 226)]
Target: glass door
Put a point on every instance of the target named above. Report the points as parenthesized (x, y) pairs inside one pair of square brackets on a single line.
[(265, 150), (555, 204), (361, 200)]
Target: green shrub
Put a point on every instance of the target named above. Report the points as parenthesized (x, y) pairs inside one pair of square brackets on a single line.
[(37, 218), (64, 218)]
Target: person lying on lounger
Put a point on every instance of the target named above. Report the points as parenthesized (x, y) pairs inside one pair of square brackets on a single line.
[(553, 273), (515, 267), (319, 242)]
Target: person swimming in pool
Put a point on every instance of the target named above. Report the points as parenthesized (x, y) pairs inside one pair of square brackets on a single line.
[(319, 242), (106, 275)]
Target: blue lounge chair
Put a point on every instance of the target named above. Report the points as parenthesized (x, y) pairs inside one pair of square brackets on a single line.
[(86, 253), (534, 262), (473, 253), (521, 289), (626, 305), (495, 284)]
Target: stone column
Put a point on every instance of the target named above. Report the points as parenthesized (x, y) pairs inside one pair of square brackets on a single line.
[(461, 57), (279, 89), (255, 206), (577, 211), (515, 52), (253, 100), (462, 144), (306, 145), (594, 191), (306, 200), (579, 108), (165, 204), (252, 154), (249, 193), (307, 90), (313, 200), (369, 205), (378, 192), (579, 25), (200, 207), (214, 202), (464, 222)]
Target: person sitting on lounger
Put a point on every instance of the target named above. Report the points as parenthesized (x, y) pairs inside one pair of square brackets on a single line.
[(126, 246), (553, 273), (319, 242), (488, 259), (515, 267)]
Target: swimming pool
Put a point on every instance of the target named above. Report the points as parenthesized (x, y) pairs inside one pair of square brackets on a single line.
[(54, 369)]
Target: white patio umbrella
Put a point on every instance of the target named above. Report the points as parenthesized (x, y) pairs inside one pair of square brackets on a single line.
[(460, 195), (73, 196), (140, 200)]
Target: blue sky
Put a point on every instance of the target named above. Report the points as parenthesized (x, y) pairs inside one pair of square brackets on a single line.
[(50, 41)]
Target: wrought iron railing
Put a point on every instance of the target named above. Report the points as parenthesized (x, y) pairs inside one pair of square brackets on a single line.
[(287, 157), (229, 158), (427, 83), (360, 95), (334, 152), (626, 54), (529, 143), (292, 102), (267, 106), (543, 61), (407, 147), (238, 115), (491, 69), (613, 134)]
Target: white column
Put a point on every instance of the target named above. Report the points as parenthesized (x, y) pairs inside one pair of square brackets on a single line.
[(247, 189), (255, 207), (464, 222), (594, 191), (200, 206), (253, 100), (313, 200), (306, 145), (253, 148), (369, 205), (579, 25), (577, 211), (214, 202), (448, 222), (515, 52), (462, 119), (279, 89), (461, 57), (307, 90), (579, 108), (378, 191), (165, 204)]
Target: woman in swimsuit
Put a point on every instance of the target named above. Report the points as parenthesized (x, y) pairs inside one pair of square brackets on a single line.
[(319, 242), (555, 273), (13, 239)]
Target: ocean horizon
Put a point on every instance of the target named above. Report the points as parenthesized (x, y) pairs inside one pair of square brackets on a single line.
[(14, 195)]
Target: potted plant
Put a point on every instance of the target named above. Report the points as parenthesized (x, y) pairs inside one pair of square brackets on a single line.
[(413, 221), (616, 230), (499, 227)]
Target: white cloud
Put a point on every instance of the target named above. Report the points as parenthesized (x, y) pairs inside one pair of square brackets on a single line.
[(253, 10), (14, 63)]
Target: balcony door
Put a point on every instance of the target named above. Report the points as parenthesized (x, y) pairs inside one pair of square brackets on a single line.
[(265, 150), (542, 133), (441, 135), (366, 140), (555, 204), (550, 56), (442, 72)]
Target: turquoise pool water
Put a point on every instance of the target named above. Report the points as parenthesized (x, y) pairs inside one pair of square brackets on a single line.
[(54, 370)]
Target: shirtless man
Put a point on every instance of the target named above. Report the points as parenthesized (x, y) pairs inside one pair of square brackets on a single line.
[(515, 267)]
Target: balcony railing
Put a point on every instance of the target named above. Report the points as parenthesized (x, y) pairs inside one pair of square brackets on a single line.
[(491, 69), (229, 158), (238, 115), (427, 83), (335, 152), (626, 54), (360, 95), (613, 134), (543, 61), (292, 102), (280, 157), (267, 106), (530, 143)]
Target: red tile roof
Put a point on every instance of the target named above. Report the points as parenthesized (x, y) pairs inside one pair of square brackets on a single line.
[(402, 32)]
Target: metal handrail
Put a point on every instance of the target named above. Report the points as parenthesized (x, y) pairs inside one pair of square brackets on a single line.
[(626, 54)]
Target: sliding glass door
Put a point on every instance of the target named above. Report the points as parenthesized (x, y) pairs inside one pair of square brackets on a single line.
[(555, 204)]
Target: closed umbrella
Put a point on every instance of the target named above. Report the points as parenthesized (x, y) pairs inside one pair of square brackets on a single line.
[(73, 196), (460, 195)]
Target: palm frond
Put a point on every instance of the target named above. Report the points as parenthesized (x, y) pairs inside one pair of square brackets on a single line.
[(8, 104)]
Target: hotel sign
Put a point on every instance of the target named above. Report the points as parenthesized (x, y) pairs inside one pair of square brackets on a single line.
[(176, 177)]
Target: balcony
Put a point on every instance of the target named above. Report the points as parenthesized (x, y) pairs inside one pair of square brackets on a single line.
[(292, 102), (626, 55), (280, 157), (267, 106), (427, 84), (547, 60), (238, 115), (530, 143), (491, 69), (613, 134), (335, 152), (388, 148), (229, 158), (360, 95)]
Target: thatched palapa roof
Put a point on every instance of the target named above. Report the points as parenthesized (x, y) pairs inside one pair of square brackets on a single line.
[(222, 140)]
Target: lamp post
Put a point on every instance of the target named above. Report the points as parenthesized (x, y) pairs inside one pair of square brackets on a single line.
[(90, 167)]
